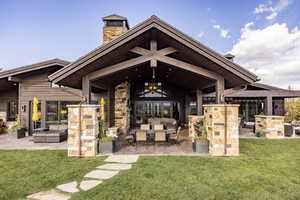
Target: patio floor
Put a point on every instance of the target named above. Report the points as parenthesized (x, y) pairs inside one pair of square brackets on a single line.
[(184, 147), (8, 142)]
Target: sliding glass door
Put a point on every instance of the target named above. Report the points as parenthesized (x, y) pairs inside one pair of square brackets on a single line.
[(143, 110)]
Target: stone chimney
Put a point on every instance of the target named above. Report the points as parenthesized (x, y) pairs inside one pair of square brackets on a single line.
[(114, 26), (229, 57)]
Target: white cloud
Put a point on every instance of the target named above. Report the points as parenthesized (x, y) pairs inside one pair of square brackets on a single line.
[(273, 53), (272, 10), (223, 32), (272, 16), (201, 34), (216, 26)]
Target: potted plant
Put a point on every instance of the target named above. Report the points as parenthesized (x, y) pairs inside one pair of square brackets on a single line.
[(17, 130), (201, 144), (106, 141), (260, 134)]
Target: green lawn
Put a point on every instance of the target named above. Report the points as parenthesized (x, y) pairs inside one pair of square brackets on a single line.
[(266, 169)]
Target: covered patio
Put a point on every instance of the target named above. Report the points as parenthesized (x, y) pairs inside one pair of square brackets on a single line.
[(152, 72)]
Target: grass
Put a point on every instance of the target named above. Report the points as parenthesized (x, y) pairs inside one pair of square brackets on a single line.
[(266, 169), (24, 172)]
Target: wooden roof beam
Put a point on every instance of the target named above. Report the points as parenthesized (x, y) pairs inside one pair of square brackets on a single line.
[(188, 67), (14, 79), (163, 52), (119, 66)]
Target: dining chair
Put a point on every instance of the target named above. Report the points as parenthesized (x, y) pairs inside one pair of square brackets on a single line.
[(158, 127), (141, 137), (175, 137), (160, 137)]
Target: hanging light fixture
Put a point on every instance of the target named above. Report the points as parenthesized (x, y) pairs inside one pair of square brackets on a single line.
[(153, 72)]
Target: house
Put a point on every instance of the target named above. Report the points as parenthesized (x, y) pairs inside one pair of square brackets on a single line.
[(152, 70)]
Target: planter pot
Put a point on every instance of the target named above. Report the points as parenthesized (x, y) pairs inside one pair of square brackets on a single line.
[(106, 147), (19, 133), (260, 134), (201, 146)]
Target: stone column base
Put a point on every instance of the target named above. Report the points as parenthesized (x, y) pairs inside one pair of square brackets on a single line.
[(222, 125), (83, 130)]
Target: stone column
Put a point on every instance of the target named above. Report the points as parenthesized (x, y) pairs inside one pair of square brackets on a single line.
[(222, 125), (270, 126), (122, 107), (83, 130)]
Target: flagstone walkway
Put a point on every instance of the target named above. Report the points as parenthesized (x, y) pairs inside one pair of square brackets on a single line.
[(90, 180)]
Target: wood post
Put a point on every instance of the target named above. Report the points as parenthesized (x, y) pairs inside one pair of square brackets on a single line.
[(86, 89), (220, 84), (187, 109), (269, 105), (199, 102)]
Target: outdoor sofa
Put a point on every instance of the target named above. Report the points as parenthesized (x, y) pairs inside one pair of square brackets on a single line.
[(54, 134)]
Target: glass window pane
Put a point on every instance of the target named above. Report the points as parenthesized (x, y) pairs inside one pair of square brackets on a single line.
[(63, 112), (167, 110), (12, 110), (52, 111)]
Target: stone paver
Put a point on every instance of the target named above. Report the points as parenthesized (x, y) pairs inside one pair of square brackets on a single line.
[(89, 184), (68, 187), (115, 166), (101, 174), (48, 195), (122, 158)]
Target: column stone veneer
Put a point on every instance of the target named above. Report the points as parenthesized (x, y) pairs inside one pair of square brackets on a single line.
[(122, 106), (222, 125), (271, 126), (83, 130)]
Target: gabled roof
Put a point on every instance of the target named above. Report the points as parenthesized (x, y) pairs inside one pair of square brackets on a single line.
[(154, 22), (33, 67)]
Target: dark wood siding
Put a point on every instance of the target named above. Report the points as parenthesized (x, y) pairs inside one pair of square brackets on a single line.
[(37, 85), (6, 97)]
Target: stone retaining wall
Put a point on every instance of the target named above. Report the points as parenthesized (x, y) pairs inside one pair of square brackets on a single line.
[(122, 107), (271, 126), (83, 130), (222, 125)]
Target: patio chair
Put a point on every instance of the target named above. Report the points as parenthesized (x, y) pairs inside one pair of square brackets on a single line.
[(175, 137), (141, 137), (158, 127), (129, 139), (145, 127), (160, 137)]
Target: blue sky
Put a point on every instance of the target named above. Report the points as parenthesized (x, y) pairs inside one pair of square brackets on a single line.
[(34, 30)]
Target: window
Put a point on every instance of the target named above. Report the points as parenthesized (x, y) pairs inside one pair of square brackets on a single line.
[(193, 108), (114, 23), (12, 110), (57, 111), (52, 110), (153, 89)]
